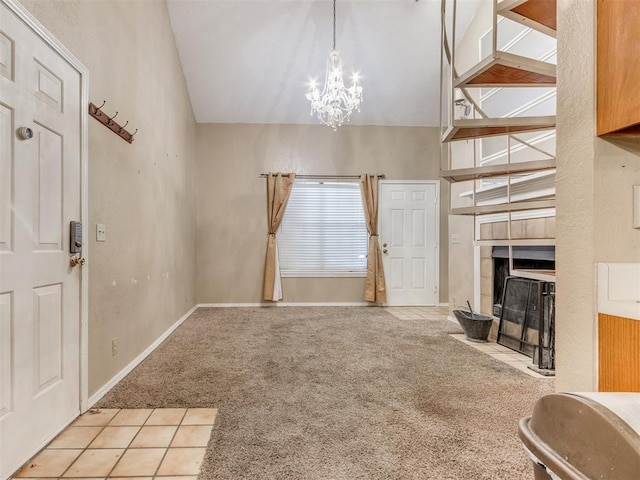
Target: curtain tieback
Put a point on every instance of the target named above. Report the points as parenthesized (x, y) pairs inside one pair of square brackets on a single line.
[(375, 235)]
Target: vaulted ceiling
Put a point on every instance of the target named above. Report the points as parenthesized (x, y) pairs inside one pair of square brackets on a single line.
[(249, 61)]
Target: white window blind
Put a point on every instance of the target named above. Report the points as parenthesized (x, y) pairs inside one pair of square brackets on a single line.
[(323, 231)]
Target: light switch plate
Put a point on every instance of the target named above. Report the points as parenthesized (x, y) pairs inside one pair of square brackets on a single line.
[(101, 232), (455, 238)]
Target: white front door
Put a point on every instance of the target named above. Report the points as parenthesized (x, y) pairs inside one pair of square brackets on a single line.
[(408, 228), (40, 193)]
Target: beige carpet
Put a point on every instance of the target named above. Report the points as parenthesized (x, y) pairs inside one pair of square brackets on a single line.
[(339, 393)]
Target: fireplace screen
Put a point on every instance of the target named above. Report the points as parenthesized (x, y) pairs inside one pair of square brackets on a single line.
[(527, 319)]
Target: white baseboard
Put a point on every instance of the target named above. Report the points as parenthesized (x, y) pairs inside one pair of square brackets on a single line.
[(126, 370), (286, 304), (235, 305), (444, 304)]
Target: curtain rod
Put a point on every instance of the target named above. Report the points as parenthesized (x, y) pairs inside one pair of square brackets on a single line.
[(264, 175)]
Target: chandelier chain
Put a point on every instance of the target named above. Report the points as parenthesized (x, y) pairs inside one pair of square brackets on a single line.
[(334, 24)]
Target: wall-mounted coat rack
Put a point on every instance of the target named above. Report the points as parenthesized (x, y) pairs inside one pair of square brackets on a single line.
[(108, 122)]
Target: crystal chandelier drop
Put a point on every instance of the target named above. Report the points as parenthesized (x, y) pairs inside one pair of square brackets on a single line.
[(336, 102)]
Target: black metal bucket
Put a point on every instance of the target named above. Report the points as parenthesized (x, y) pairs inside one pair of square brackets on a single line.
[(475, 326)]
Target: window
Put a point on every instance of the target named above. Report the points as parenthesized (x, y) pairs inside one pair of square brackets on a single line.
[(323, 232)]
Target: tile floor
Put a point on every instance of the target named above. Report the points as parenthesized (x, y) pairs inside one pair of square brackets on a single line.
[(417, 313), (161, 443), (502, 353), (499, 352)]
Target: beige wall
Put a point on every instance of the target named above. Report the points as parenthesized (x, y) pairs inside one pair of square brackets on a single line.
[(594, 199), (232, 199), (142, 279)]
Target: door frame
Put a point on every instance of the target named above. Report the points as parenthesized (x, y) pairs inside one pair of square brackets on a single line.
[(437, 249), (32, 23)]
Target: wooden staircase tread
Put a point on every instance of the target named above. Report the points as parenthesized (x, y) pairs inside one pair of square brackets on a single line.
[(475, 173), (469, 128), (509, 70), (537, 14), (504, 207)]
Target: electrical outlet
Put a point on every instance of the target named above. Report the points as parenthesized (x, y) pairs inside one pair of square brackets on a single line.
[(114, 347), (453, 301)]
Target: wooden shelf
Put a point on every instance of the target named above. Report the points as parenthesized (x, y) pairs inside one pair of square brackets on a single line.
[(509, 70), (618, 69), (466, 174), (504, 207), (464, 129), (537, 14)]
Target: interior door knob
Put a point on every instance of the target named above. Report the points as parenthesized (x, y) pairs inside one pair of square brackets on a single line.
[(384, 245), (24, 133)]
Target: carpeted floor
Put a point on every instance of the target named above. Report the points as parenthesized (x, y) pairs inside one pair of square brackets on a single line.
[(339, 393)]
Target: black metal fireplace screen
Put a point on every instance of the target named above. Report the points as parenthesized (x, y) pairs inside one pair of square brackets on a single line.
[(527, 320)]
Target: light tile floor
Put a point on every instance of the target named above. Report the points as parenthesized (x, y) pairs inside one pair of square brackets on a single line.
[(499, 352), (117, 444), (417, 313)]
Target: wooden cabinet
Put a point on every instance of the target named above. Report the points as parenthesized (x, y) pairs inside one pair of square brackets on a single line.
[(618, 67)]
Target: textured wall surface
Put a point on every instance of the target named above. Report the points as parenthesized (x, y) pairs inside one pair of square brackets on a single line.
[(594, 198), (575, 324), (232, 198), (142, 279)]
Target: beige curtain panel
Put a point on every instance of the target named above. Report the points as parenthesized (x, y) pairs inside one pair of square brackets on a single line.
[(375, 289), (278, 190)]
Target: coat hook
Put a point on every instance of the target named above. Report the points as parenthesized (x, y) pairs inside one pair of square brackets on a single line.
[(94, 110), (134, 133), (122, 127), (110, 121)]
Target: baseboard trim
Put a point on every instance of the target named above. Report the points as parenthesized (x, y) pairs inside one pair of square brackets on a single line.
[(136, 361), (444, 304), (286, 304)]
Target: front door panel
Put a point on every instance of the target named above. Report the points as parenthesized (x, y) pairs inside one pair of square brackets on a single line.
[(408, 236), (40, 189)]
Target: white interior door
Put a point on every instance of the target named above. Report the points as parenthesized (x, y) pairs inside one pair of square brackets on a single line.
[(408, 227), (40, 193)]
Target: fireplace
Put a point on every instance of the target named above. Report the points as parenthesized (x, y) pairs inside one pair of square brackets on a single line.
[(524, 258), (526, 307)]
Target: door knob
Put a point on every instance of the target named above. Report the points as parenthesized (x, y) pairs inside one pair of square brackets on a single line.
[(24, 133), (384, 245), (76, 260)]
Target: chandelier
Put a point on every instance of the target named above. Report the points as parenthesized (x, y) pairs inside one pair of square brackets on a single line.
[(336, 102)]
